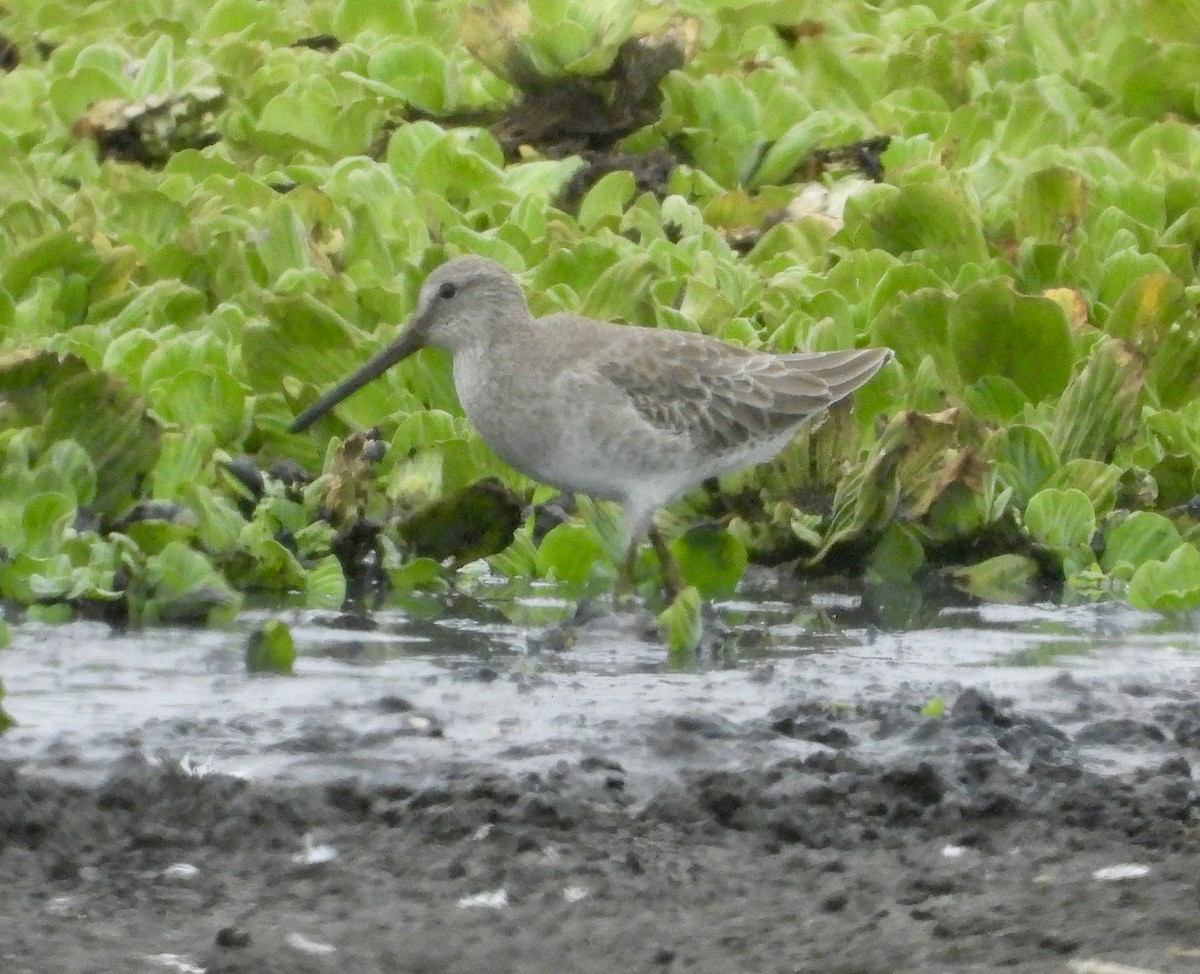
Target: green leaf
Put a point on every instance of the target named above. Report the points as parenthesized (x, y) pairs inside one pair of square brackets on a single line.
[(1099, 409), (1025, 459), (995, 331), (1097, 480), (416, 71), (152, 535), (156, 73), (898, 556), (55, 614), (787, 153), (268, 565), (97, 411), (1173, 375), (182, 462), (519, 559), (70, 95), (1006, 579), (995, 399), (71, 469), (916, 325), (45, 518), (568, 552), (1168, 586), (1147, 308), (271, 649), (183, 586), (306, 113), (307, 342), (1141, 537), (1169, 20), (474, 522), (719, 121), (385, 17), (1164, 81), (282, 244), (621, 292), (220, 523), (935, 708), (605, 202), (682, 627), (1051, 203), (918, 217), (231, 17), (711, 560), (325, 585), (194, 398), (420, 573), (541, 179), (1061, 519)]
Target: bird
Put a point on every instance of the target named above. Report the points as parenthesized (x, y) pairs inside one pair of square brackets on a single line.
[(636, 415)]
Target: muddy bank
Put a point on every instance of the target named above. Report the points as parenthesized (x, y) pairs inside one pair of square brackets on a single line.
[(990, 838)]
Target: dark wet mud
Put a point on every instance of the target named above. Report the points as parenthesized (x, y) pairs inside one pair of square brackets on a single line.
[(768, 818)]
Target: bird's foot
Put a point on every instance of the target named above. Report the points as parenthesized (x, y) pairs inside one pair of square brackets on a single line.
[(672, 574)]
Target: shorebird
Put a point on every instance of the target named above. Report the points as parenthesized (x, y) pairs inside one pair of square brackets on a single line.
[(621, 413)]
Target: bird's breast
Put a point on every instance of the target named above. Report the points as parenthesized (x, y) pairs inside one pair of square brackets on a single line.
[(509, 411)]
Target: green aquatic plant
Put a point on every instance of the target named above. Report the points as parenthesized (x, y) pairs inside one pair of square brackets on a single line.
[(271, 649), (6, 722), (208, 214)]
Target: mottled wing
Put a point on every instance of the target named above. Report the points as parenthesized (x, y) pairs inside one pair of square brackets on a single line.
[(722, 397), (842, 372)]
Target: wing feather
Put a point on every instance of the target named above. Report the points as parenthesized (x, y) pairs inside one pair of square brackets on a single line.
[(722, 397)]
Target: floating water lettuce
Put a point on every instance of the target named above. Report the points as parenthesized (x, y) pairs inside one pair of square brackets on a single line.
[(1172, 585), (1099, 408), (1061, 520), (711, 560), (535, 44), (1062, 523), (682, 627), (1138, 538), (568, 553), (475, 522), (180, 585), (6, 721), (278, 181), (64, 401), (935, 709), (1004, 578), (996, 331), (271, 649)]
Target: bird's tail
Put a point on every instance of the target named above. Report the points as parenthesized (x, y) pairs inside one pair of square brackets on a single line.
[(844, 371)]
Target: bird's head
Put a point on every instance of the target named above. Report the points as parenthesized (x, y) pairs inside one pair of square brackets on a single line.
[(463, 303)]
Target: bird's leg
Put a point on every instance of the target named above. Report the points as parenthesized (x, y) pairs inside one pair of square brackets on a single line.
[(673, 582), (640, 524), (624, 585), (672, 574)]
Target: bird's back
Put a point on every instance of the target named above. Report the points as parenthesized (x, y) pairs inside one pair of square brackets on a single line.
[(693, 387), (609, 409)]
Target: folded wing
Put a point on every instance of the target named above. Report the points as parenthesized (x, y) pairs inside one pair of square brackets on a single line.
[(723, 398)]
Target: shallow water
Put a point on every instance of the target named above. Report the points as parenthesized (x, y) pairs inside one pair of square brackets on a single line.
[(443, 782), (418, 696)]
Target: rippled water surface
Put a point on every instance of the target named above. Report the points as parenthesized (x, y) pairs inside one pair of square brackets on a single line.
[(460, 684)]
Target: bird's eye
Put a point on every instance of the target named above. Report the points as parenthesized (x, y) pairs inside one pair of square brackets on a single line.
[(447, 290)]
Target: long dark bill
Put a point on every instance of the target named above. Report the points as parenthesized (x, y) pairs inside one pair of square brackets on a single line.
[(409, 341)]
